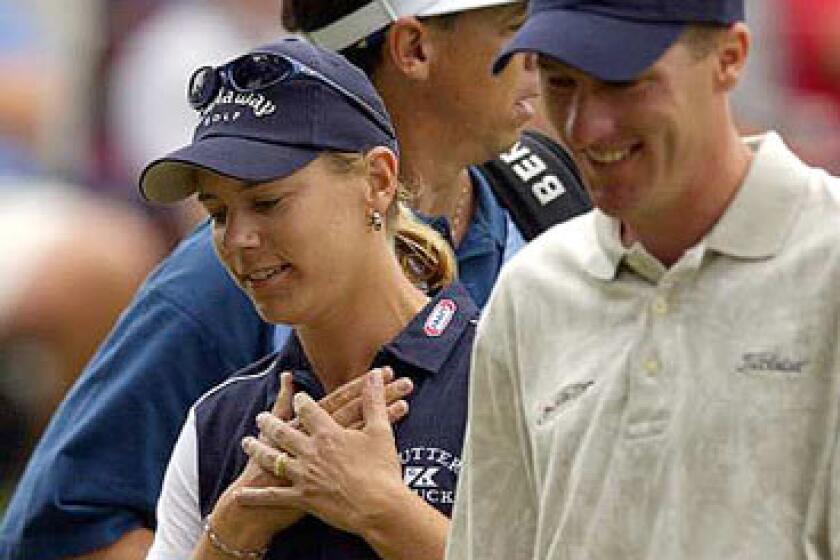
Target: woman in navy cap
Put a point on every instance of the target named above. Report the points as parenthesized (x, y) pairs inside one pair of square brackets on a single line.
[(295, 159)]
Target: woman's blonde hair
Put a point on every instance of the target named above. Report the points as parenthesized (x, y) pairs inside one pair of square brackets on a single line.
[(425, 257)]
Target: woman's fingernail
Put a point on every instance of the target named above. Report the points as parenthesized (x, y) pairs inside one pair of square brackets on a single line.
[(299, 400), (405, 384)]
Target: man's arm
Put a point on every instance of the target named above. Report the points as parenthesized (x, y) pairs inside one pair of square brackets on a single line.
[(96, 473), (131, 546), (495, 509)]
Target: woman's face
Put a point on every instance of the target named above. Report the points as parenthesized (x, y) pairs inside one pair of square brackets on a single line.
[(297, 245)]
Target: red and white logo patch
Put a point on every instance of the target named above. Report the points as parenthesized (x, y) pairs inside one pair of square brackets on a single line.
[(440, 317)]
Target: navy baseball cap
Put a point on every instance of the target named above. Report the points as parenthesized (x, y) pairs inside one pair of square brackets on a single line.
[(269, 113), (612, 40)]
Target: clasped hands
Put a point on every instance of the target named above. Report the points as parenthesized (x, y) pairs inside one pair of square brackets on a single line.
[(335, 459)]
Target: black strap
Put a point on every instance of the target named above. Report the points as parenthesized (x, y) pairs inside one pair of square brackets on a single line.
[(538, 183)]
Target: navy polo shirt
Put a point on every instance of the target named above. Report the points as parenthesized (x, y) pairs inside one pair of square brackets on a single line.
[(433, 350)]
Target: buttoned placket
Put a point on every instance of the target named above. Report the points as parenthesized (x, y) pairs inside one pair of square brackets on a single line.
[(652, 377)]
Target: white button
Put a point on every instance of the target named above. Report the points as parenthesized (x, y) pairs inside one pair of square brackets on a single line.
[(660, 306), (652, 366)]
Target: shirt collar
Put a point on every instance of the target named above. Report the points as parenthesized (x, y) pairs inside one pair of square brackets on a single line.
[(433, 334), (425, 344), (602, 262), (762, 214), (487, 220), (755, 225)]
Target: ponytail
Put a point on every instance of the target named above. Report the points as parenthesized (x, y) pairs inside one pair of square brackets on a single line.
[(424, 255)]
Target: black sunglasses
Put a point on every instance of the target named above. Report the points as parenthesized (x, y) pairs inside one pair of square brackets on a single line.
[(258, 71)]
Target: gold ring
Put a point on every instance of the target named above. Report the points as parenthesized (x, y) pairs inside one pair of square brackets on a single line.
[(280, 465)]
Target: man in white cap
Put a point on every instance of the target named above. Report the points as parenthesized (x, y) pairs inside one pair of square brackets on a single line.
[(659, 378)]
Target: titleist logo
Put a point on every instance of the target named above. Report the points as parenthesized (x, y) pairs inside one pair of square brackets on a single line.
[(769, 362)]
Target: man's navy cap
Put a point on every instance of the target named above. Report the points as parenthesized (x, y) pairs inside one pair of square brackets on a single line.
[(612, 40), (269, 134)]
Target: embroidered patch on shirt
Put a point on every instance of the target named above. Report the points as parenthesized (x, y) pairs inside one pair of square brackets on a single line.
[(440, 317), (431, 473), (769, 363), (566, 394)]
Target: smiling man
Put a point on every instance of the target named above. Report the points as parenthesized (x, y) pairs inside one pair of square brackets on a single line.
[(659, 378), (190, 326)]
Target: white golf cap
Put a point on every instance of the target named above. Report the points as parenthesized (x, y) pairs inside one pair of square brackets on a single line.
[(377, 14)]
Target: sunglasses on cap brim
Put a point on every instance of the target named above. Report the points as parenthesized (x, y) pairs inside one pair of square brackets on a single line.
[(258, 71)]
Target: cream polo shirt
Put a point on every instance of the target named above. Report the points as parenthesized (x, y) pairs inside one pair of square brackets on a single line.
[(621, 410)]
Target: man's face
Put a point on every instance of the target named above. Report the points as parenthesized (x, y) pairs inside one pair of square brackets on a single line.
[(488, 111), (641, 145)]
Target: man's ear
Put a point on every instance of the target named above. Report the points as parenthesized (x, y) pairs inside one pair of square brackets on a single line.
[(382, 167), (732, 54), (408, 45)]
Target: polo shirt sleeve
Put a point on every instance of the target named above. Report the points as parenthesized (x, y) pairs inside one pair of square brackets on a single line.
[(833, 495), (179, 518), (822, 521), (495, 509), (98, 469)]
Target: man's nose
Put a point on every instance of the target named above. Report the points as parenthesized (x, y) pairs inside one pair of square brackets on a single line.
[(529, 61), (590, 119), (530, 76), (240, 232)]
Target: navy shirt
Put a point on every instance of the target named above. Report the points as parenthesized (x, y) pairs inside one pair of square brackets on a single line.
[(433, 350), (483, 249), (97, 471)]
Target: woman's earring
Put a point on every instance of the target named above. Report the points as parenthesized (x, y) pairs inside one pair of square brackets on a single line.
[(375, 220)]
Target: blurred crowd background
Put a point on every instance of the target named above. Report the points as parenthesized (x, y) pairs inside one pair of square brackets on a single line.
[(91, 90)]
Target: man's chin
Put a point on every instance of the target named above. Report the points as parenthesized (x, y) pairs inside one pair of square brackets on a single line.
[(274, 315), (504, 143)]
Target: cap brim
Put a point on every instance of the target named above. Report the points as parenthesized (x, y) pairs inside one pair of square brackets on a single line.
[(172, 177), (454, 6), (607, 48)]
